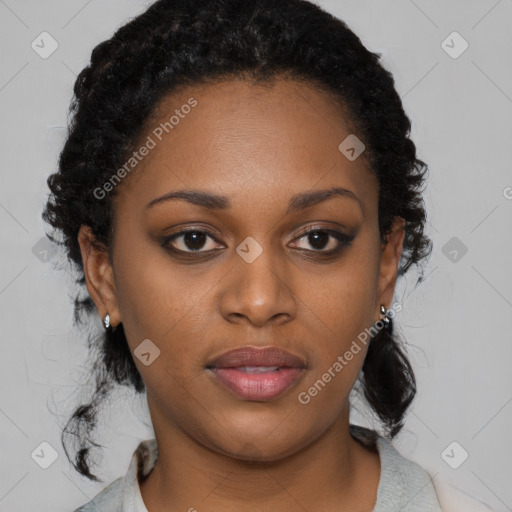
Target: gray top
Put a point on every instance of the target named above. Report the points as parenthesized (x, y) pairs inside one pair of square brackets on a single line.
[(403, 486)]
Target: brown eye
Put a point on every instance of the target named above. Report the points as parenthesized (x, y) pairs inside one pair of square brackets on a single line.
[(326, 241), (189, 241)]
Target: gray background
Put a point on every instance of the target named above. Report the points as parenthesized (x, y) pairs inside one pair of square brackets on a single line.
[(458, 322)]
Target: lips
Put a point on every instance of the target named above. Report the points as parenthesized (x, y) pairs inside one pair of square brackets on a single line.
[(254, 356), (258, 374)]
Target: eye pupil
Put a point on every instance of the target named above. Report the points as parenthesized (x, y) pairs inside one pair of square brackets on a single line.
[(315, 237), (194, 240)]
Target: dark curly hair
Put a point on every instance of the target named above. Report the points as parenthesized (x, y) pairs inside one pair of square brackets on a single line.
[(176, 43)]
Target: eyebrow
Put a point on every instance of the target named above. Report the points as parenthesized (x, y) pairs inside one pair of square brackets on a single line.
[(297, 203)]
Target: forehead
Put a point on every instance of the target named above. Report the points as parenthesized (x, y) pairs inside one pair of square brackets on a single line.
[(249, 141)]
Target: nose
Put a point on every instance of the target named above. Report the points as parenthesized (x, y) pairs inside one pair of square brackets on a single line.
[(259, 292)]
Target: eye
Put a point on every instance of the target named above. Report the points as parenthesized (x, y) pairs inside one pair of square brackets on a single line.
[(325, 241), (322, 240), (190, 241)]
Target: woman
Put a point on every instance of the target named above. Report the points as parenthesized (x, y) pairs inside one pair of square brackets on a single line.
[(239, 194)]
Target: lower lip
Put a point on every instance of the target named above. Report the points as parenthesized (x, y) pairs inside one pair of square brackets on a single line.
[(257, 386)]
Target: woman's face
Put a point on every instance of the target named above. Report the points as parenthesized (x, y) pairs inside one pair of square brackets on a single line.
[(248, 275)]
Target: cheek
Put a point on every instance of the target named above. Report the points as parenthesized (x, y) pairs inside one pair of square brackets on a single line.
[(167, 304), (340, 310), (170, 310), (153, 292), (344, 300)]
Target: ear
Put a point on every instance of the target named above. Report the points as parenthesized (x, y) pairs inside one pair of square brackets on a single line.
[(390, 258), (99, 275)]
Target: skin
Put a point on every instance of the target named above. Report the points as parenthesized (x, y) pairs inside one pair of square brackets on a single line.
[(258, 146)]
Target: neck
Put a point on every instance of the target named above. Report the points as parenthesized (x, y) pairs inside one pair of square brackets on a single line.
[(332, 471)]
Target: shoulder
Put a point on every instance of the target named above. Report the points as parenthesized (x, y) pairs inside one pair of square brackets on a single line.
[(404, 482), (109, 499), (403, 485), (418, 489)]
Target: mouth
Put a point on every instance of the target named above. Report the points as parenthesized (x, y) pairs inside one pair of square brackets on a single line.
[(257, 374)]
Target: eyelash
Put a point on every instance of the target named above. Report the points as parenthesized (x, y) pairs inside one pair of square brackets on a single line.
[(343, 239)]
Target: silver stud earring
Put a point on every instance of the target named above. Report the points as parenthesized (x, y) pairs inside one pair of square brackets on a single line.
[(384, 312), (106, 321)]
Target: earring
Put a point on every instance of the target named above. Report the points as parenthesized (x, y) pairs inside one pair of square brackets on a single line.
[(106, 321), (384, 312)]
